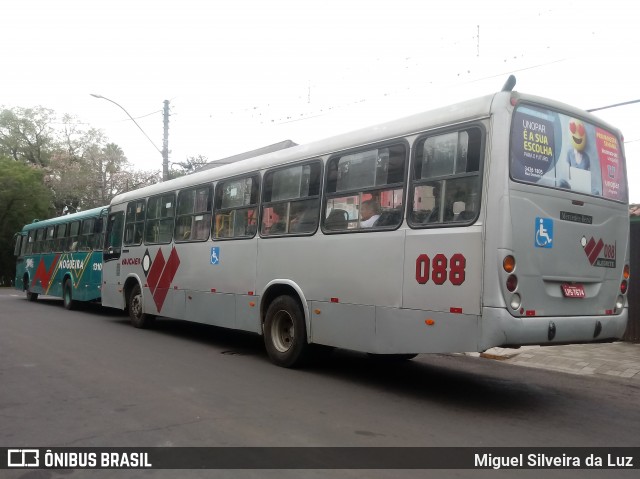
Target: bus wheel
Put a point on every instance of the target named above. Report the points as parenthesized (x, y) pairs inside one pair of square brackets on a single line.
[(67, 298), (285, 334), (25, 287), (136, 310)]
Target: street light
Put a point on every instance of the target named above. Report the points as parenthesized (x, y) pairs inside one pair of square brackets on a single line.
[(164, 152)]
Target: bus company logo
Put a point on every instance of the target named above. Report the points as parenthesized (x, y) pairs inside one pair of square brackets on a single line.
[(23, 458), (599, 253), (72, 264), (131, 261), (160, 274), (30, 264), (44, 275)]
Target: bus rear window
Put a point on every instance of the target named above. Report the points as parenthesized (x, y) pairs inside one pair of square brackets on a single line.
[(549, 148)]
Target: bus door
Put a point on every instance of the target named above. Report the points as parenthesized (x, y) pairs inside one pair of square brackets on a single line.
[(111, 282)]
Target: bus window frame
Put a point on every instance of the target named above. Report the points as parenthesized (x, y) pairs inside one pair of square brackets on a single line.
[(209, 212), (28, 245), (263, 205), (327, 196), (39, 240), (17, 247), (49, 243), (135, 222), (61, 241), (110, 252), (160, 219), (257, 205), (85, 237), (72, 243), (99, 231), (590, 121), (415, 182)]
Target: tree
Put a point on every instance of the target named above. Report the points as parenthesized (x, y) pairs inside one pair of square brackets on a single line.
[(26, 134), (81, 167), (86, 171), (23, 197), (190, 165)]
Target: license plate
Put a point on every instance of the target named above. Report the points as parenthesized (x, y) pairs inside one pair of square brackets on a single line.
[(573, 291)]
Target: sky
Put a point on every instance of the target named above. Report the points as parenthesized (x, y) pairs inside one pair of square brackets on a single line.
[(242, 74)]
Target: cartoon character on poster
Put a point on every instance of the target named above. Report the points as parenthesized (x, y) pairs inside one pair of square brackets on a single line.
[(577, 156)]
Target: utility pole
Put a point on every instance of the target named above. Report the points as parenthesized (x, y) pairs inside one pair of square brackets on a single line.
[(165, 143)]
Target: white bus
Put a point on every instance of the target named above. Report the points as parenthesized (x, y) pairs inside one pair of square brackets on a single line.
[(500, 221)]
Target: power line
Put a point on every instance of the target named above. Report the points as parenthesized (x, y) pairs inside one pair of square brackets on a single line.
[(614, 105)]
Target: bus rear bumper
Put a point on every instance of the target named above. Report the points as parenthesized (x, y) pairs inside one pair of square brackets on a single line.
[(499, 328)]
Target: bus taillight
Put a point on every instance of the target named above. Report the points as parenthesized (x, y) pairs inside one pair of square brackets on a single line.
[(619, 304), (516, 302), (512, 283), (509, 264), (626, 272), (623, 286)]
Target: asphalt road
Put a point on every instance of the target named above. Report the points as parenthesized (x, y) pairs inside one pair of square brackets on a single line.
[(87, 378)]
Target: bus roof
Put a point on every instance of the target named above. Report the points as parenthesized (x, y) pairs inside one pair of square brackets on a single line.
[(454, 113), (65, 219)]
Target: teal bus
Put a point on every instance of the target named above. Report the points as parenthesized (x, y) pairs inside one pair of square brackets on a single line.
[(62, 257)]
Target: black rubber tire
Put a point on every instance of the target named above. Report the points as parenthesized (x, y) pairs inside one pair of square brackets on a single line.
[(285, 333), (138, 317), (25, 287), (67, 295)]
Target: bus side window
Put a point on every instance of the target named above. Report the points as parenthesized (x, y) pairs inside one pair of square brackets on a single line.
[(160, 220), (134, 225), (291, 200), (28, 246), (193, 220), (236, 207), (113, 237), (446, 178), (97, 240), (72, 241), (61, 237), (38, 245), (18, 245), (365, 189), (50, 239), (86, 233)]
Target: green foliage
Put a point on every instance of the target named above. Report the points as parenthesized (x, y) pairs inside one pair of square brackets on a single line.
[(190, 165), (23, 198), (26, 134), (47, 164)]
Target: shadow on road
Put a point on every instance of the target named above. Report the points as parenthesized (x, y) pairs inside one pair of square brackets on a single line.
[(470, 383)]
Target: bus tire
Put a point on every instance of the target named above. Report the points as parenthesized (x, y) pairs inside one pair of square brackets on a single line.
[(67, 295), (138, 317), (25, 287), (285, 333)]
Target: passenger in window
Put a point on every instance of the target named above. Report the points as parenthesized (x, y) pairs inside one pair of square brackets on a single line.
[(280, 226), (305, 216), (369, 213)]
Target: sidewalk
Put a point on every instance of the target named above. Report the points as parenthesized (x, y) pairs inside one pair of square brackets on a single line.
[(619, 359)]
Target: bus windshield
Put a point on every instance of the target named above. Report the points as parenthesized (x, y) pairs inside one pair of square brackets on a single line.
[(552, 149)]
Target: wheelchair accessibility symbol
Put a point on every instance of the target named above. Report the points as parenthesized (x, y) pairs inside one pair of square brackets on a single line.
[(215, 255), (544, 233)]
